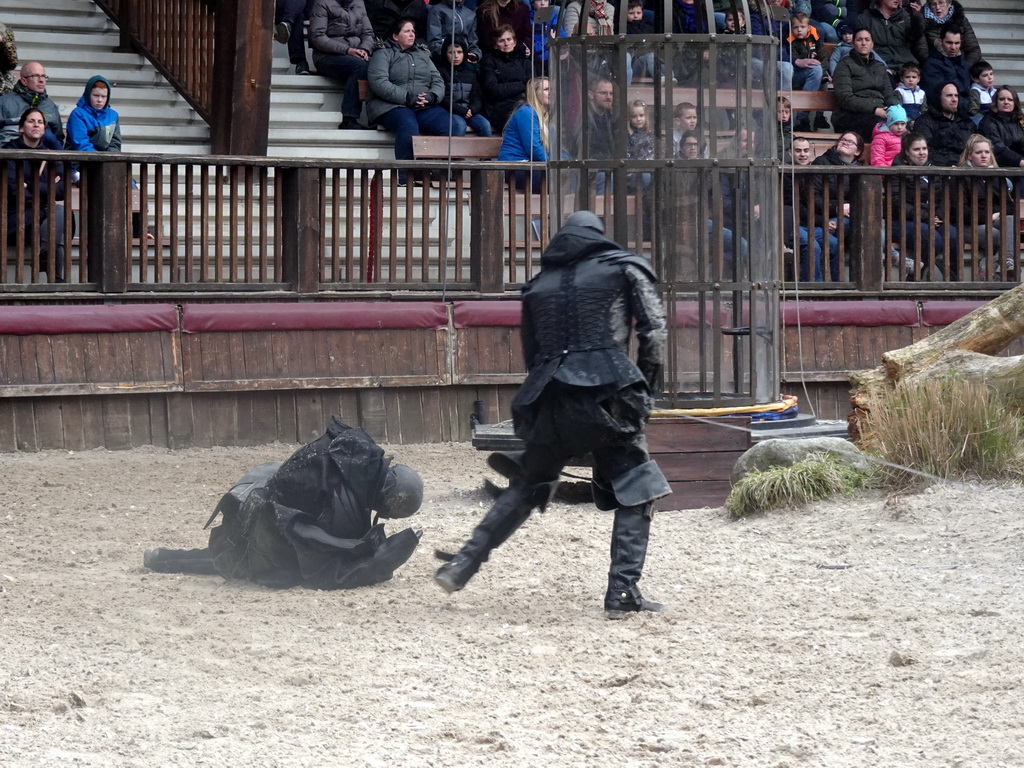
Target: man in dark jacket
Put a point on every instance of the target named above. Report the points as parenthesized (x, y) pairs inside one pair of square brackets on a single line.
[(308, 521), (29, 91), (946, 65), (898, 33), (945, 126), (583, 395)]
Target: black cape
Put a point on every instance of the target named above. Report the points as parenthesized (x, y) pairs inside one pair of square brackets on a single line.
[(310, 520)]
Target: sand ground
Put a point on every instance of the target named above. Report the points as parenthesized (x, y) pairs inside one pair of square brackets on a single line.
[(770, 655)]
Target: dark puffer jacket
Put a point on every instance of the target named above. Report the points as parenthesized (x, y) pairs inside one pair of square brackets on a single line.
[(947, 135), (1007, 137), (503, 77), (861, 86), (918, 196), (28, 171), (836, 184), (899, 39), (939, 69), (461, 88)]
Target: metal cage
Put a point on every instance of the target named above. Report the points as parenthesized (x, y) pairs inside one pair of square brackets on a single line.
[(702, 204)]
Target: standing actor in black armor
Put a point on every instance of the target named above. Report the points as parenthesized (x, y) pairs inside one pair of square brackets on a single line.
[(583, 395), (308, 521)]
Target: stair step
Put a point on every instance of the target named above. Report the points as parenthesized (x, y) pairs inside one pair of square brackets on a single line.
[(64, 21)]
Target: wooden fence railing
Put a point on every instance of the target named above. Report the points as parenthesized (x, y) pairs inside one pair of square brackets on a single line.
[(136, 224), (876, 229), (216, 54)]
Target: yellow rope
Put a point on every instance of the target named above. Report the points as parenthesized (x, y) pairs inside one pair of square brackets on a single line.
[(788, 401)]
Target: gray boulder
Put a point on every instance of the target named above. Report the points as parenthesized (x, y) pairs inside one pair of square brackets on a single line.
[(779, 452)]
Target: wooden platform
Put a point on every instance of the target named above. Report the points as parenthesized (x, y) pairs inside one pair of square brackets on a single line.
[(697, 458)]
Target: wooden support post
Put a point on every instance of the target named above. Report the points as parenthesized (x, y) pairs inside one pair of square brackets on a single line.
[(240, 113), (125, 23), (300, 225), (487, 241), (109, 254), (866, 224)]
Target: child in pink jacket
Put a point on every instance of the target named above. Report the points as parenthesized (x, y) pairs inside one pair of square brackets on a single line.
[(887, 136)]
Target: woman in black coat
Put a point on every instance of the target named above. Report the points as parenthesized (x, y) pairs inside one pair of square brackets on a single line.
[(33, 182), (921, 214), (836, 186), (1004, 127), (504, 74), (987, 213)]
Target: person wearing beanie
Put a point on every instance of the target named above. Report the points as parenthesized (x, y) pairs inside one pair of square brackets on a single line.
[(887, 138)]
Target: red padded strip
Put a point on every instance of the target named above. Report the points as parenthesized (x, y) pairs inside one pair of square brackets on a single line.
[(472, 314), (856, 313), (946, 312), (23, 321), (197, 318)]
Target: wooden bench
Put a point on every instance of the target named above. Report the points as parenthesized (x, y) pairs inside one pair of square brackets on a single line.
[(462, 147)]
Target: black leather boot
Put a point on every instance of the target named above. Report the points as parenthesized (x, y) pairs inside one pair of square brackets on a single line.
[(508, 513), (630, 532)]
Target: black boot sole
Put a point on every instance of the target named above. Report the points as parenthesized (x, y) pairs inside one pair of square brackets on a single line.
[(622, 611), (447, 581)]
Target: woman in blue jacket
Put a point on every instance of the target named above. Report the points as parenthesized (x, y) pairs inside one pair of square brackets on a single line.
[(526, 133)]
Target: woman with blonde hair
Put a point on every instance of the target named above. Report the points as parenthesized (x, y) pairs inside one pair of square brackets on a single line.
[(984, 200), (526, 136)]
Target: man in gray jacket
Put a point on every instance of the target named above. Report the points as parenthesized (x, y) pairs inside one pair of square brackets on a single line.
[(29, 91), (341, 37)]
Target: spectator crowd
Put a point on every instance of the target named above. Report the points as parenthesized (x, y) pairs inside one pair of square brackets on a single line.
[(908, 80)]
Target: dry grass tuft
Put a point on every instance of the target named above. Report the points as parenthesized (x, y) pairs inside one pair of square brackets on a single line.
[(950, 428), (819, 476)]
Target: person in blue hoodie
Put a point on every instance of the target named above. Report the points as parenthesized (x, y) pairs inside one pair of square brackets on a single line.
[(93, 124)]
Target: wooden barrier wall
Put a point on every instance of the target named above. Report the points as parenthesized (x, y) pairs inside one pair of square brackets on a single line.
[(78, 377)]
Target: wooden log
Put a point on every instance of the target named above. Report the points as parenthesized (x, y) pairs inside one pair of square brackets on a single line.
[(966, 348)]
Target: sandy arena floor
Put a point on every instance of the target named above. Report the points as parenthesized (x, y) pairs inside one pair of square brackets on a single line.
[(911, 655)]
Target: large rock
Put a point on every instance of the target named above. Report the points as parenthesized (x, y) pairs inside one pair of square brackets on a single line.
[(787, 452)]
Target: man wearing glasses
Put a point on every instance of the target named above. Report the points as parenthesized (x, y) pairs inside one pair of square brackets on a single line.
[(29, 91)]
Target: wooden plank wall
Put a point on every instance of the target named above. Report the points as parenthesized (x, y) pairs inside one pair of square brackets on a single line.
[(831, 353), (130, 388), (697, 458), (206, 419)]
